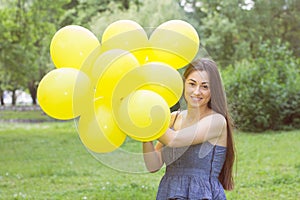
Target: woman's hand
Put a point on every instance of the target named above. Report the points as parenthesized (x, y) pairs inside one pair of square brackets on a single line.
[(152, 156)]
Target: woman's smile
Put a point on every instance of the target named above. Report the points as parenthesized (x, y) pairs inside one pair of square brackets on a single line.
[(196, 98)]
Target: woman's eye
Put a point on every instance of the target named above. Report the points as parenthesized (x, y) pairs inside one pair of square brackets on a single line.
[(205, 86)]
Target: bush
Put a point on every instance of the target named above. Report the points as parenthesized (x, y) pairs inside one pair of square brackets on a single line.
[(264, 93)]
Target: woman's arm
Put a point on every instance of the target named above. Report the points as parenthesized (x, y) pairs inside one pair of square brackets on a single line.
[(152, 156), (207, 128)]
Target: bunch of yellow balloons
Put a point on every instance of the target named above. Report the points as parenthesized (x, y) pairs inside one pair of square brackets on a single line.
[(123, 86)]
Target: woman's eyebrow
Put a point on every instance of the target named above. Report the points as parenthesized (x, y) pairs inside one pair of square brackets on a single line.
[(192, 80), (205, 82)]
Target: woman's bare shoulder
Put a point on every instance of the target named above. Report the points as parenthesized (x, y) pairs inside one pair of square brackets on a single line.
[(215, 117)]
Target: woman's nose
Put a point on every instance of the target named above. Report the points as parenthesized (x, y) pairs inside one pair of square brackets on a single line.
[(197, 90)]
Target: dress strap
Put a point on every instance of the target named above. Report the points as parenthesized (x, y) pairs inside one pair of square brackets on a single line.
[(177, 113), (172, 127)]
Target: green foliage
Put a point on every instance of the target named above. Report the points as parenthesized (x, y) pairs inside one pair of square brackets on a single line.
[(149, 15), (233, 30), (25, 32), (264, 93), (82, 12), (218, 34)]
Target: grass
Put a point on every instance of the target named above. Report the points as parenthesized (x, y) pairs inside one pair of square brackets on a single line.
[(268, 166), (48, 161), (24, 115)]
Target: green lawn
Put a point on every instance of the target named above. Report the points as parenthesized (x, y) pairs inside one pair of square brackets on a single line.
[(47, 161), (17, 114)]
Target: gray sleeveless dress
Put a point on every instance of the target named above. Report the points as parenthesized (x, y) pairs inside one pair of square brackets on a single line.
[(192, 172)]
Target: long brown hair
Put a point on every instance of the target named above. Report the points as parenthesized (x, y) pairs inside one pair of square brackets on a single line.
[(218, 103)]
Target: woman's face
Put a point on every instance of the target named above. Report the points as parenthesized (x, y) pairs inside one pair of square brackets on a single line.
[(197, 90)]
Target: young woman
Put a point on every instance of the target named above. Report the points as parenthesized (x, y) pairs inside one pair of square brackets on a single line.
[(198, 148)]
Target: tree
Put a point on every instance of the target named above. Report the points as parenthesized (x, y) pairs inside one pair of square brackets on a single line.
[(82, 12), (26, 30), (13, 51), (45, 16), (233, 30), (149, 14)]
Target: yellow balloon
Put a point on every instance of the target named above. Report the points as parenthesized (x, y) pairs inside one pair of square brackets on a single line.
[(56, 93), (127, 35), (174, 42), (110, 67), (170, 96), (143, 115), (157, 77), (98, 131), (98, 63), (71, 45), (88, 66), (164, 80)]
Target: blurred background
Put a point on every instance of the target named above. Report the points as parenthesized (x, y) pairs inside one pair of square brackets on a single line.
[(256, 44)]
